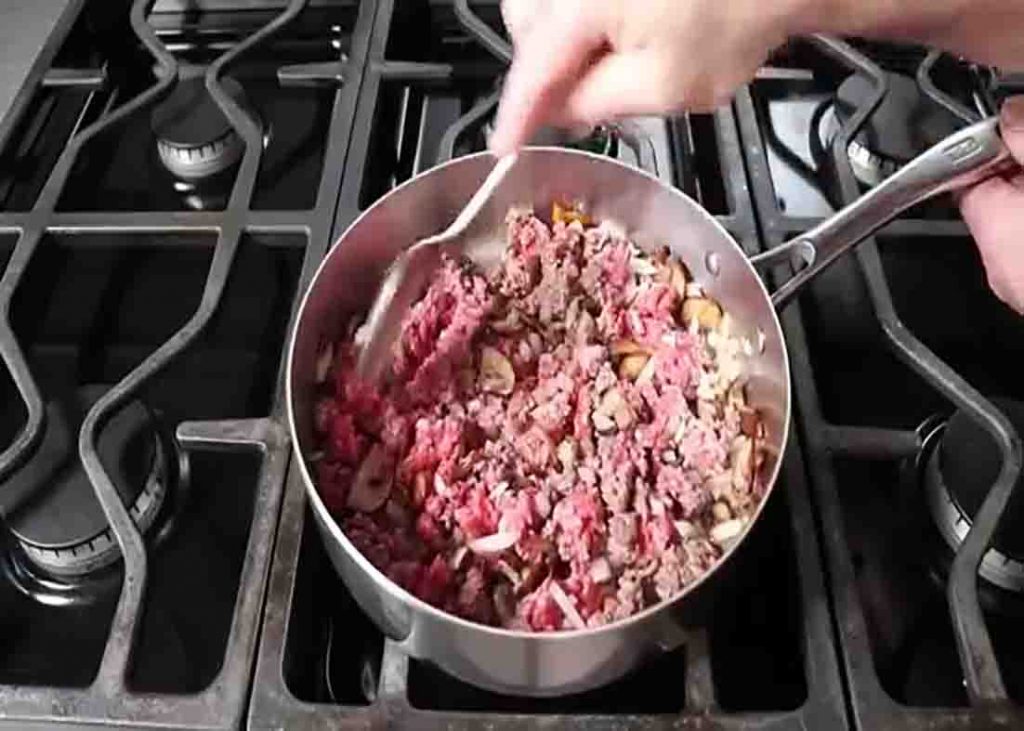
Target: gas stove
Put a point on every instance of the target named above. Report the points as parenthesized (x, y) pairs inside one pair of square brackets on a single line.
[(170, 180)]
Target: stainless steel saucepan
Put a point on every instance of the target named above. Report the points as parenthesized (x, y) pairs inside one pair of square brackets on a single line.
[(654, 214)]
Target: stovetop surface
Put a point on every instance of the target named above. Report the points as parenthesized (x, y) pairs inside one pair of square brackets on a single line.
[(177, 293)]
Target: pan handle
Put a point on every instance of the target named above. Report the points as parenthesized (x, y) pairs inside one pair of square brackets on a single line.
[(969, 156)]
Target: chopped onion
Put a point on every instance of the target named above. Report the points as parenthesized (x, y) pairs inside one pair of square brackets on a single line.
[(685, 529), (458, 559), (642, 266), (724, 533), (493, 544), (564, 603), (600, 571)]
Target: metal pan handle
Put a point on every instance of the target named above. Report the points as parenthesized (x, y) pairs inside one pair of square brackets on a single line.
[(962, 159)]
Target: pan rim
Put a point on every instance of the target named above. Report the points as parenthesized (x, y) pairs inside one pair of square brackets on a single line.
[(500, 632)]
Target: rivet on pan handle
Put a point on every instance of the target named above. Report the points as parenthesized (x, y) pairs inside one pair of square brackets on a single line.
[(962, 159)]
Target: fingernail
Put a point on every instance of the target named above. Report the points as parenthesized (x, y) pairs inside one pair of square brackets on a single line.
[(1012, 114)]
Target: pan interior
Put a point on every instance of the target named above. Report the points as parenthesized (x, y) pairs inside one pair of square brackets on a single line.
[(649, 212)]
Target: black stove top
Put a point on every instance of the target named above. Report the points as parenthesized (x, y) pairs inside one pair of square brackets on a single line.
[(165, 196)]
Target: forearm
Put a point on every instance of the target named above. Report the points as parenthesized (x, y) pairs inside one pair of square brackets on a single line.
[(987, 31)]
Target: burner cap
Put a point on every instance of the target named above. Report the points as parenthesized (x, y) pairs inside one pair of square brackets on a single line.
[(194, 138), (959, 475), (62, 527), (906, 122)]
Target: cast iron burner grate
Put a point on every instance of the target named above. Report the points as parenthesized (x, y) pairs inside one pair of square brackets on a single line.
[(180, 299), (917, 645)]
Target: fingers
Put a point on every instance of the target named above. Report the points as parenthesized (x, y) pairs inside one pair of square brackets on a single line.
[(1012, 126), (548, 60), (520, 16), (994, 212), (623, 84)]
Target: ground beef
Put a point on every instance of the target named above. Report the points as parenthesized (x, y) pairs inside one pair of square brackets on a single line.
[(557, 444)]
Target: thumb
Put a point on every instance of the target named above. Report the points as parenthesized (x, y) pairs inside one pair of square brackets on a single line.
[(1011, 123), (547, 62), (978, 203), (622, 84), (994, 212)]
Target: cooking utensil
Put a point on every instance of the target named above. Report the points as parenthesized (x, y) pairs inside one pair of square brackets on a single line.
[(653, 214), (407, 278)]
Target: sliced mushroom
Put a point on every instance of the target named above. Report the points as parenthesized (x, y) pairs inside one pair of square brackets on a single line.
[(643, 266), (504, 603), (496, 372), (614, 406), (725, 533), (749, 421), (493, 544), (372, 484), (720, 512), (323, 363), (704, 311), (572, 615), (600, 571), (566, 213), (743, 464), (632, 366), (678, 277), (628, 347), (603, 423), (686, 529)]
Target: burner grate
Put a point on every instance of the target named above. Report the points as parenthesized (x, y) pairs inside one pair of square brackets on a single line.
[(129, 683), (864, 450)]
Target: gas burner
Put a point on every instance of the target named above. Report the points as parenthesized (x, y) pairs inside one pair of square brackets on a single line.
[(960, 464), (61, 527), (194, 138), (905, 124)]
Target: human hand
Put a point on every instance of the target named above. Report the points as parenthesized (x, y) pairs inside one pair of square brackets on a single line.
[(580, 62), (994, 212)]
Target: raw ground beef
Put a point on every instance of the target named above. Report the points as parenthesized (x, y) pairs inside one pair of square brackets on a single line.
[(559, 444)]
